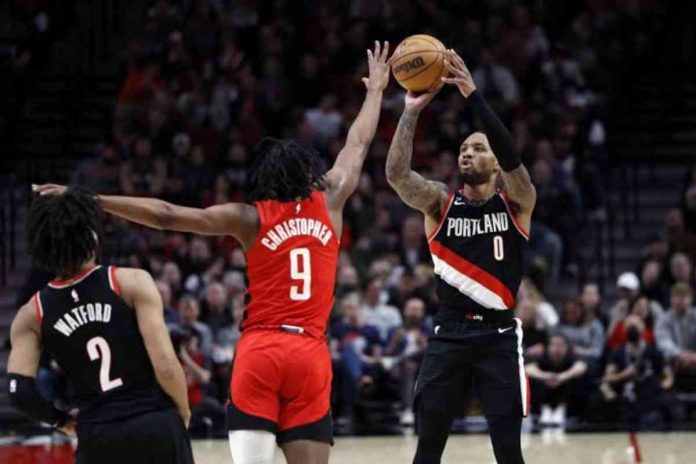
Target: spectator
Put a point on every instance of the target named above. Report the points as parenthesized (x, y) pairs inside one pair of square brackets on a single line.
[(143, 174), (495, 81), (552, 376), (376, 312), (676, 336), (591, 301), (100, 172), (357, 348), (534, 302), (413, 246), (637, 374), (680, 268), (172, 275), (628, 288), (639, 307), (171, 315), (650, 283), (585, 334), (217, 314), (325, 120), (407, 344), (189, 311)]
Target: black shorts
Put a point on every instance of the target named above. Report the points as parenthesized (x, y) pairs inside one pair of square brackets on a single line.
[(466, 356), (151, 438)]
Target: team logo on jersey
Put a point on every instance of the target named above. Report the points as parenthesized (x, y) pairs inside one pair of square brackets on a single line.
[(75, 296), (490, 223)]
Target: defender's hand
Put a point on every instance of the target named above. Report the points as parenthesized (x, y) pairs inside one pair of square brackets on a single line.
[(48, 189), (418, 101), (378, 68), (461, 76)]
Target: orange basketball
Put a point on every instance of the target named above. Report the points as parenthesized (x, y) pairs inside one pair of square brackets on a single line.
[(418, 62)]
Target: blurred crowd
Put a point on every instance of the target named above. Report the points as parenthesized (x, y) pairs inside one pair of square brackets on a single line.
[(207, 79)]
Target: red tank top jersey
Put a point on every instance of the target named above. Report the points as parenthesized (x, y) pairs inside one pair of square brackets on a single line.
[(292, 266)]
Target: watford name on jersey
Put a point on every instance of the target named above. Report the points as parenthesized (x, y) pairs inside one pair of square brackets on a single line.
[(478, 254)]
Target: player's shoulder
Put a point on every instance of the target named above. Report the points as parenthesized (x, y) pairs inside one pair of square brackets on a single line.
[(131, 280)]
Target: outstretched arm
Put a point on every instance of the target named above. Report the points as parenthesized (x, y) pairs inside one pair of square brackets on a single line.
[(236, 219), (416, 191), (518, 184), (345, 173)]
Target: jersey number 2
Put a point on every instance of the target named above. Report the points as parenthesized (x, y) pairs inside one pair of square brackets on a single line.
[(97, 348), (300, 269)]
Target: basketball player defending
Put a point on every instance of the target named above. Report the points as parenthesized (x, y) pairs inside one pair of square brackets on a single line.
[(477, 238), (105, 328), (281, 376)]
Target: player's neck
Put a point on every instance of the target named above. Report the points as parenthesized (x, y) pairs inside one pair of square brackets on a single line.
[(481, 192), (63, 276)]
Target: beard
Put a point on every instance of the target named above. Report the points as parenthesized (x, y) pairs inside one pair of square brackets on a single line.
[(474, 177)]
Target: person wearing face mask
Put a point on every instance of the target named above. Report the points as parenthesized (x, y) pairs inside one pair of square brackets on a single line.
[(638, 377)]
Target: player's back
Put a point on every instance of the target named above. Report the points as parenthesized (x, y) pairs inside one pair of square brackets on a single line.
[(93, 335), (292, 266)]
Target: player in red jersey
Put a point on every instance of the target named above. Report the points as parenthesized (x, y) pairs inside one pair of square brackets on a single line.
[(281, 378)]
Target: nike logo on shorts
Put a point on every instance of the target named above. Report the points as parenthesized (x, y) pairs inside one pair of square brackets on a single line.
[(504, 330)]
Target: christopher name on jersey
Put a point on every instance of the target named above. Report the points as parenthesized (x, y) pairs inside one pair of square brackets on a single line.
[(82, 315), (491, 223), (293, 228)]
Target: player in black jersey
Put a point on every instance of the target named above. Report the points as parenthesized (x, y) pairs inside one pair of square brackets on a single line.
[(105, 328), (477, 238)]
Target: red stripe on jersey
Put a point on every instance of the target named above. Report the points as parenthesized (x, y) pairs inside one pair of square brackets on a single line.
[(473, 272), (513, 216), (38, 307), (114, 281), (443, 217)]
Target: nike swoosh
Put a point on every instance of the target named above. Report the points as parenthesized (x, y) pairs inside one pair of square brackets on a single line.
[(504, 330), (459, 203)]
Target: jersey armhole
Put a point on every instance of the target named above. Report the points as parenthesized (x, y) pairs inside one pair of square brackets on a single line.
[(38, 307), (113, 281), (513, 216), (445, 212)]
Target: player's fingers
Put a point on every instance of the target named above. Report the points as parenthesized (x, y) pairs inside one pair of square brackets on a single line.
[(449, 80), (385, 50), (378, 49), (365, 81), (370, 57)]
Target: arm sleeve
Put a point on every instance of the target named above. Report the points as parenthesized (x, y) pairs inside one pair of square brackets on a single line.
[(499, 137), (25, 397)]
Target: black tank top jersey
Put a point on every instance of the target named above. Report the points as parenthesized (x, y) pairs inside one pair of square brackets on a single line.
[(93, 335), (478, 252)]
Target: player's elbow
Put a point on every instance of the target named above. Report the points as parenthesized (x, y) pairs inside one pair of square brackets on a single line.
[(167, 371), (165, 216)]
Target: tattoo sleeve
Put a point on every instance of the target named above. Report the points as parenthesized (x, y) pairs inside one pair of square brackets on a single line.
[(412, 188)]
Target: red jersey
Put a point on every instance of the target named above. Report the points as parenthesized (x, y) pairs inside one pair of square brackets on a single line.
[(292, 266)]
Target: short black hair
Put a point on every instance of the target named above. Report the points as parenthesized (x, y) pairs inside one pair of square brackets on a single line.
[(64, 231), (284, 170)]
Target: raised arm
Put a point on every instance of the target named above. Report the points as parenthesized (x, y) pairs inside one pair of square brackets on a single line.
[(416, 191), (236, 219), (518, 184), (140, 292), (343, 177)]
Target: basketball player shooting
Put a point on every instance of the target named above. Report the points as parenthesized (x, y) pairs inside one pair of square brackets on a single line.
[(105, 329), (281, 376), (477, 237)]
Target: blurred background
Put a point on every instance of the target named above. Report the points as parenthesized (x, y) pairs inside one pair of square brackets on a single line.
[(167, 98)]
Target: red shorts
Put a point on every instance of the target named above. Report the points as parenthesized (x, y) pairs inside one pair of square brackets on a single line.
[(281, 382)]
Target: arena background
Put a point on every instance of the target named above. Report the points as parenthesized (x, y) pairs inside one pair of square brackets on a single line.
[(168, 99)]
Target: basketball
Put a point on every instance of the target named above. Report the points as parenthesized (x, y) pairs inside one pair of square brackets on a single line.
[(418, 62)]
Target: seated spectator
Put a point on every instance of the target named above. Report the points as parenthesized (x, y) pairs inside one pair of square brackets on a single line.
[(585, 335), (639, 307), (407, 344), (189, 310), (628, 288), (357, 348), (217, 314), (171, 315), (638, 376), (171, 273), (495, 81), (143, 174), (591, 301), (100, 172), (552, 376), (680, 268), (534, 305), (650, 283), (376, 312), (676, 337)]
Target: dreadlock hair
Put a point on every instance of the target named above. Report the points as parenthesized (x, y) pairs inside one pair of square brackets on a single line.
[(283, 170), (64, 231)]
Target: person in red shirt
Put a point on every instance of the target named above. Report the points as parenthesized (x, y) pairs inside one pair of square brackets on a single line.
[(639, 307), (281, 377)]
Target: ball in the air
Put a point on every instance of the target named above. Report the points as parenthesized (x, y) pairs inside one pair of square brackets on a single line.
[(418, 63)]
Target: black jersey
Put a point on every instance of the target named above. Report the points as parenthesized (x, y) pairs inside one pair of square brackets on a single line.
[(93, 335), (478, 252)]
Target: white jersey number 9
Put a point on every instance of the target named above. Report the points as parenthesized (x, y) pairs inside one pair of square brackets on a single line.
[(300, 269)]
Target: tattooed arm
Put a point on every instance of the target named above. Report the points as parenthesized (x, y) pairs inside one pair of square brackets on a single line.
[(416, 191)]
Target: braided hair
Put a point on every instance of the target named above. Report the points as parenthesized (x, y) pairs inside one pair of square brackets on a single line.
[(284, 170), (64, 231)]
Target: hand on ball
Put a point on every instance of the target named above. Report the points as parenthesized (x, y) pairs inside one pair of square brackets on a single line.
[(378, 68), (418, 101), (461, 76)]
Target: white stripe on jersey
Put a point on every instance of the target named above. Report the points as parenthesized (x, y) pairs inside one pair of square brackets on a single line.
[(520, 361), (468, 286)]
